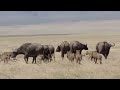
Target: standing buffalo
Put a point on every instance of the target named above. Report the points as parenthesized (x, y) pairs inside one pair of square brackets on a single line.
[(64, 48), (78, 57), (49, 52), (104, 48), (52, 51), (29, 50), (75, 45), (70, 56), (46, 52)]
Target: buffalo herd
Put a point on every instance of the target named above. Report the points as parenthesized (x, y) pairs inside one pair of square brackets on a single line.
[(73, 50)]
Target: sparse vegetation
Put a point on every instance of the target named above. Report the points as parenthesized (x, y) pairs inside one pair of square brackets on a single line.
[(61, 69)]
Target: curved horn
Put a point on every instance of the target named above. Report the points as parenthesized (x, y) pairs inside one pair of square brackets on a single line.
[(113, 44)]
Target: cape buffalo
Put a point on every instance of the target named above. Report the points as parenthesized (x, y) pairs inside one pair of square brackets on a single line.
[(52, 51), (39, 58), (78, 57), (75, 45), (104, 48), (96, 56), (70, 56), (46, 52), (64, 48), (90, 53), (49, 52), (29, 50)]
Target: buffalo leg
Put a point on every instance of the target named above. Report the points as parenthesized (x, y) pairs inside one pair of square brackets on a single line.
[(79, 62), (4, 60), (75, 55), (100, 61), (105, 56), (91, 58), (26, 59), (67, 54), (95, 61), (50, 57), (34, 60), (62, 55), (54, 57)]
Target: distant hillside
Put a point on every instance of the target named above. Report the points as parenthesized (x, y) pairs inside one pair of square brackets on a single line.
[(65, 28)]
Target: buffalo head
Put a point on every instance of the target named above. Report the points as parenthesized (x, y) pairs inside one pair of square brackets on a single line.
[(14, 53), (58, 49), (85, 47)]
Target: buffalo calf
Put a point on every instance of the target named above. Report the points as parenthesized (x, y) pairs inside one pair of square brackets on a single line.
[(78, 56), (95, 55), (40, 58), (70, 56)]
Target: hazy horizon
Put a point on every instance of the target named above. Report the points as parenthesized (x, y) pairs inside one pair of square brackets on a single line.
[(57, 22), (8, 18)]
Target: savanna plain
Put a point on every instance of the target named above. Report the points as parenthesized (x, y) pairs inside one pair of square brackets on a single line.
[(62, 69)]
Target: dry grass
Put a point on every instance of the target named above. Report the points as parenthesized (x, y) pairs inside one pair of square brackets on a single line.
[(61, 69), (64, 69)]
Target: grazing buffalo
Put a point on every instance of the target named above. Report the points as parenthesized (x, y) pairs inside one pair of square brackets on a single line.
[(49, 52), (70, 56), (64, 48), (75, 45), (29, 50), (52, 51), (46, 52), (104, 48)]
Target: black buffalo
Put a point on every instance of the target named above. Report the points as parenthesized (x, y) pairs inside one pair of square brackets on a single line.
[(76, 45), (64, 48), (49, 52), (52, 51), (29, 50), (46, 52), (104, 48)]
